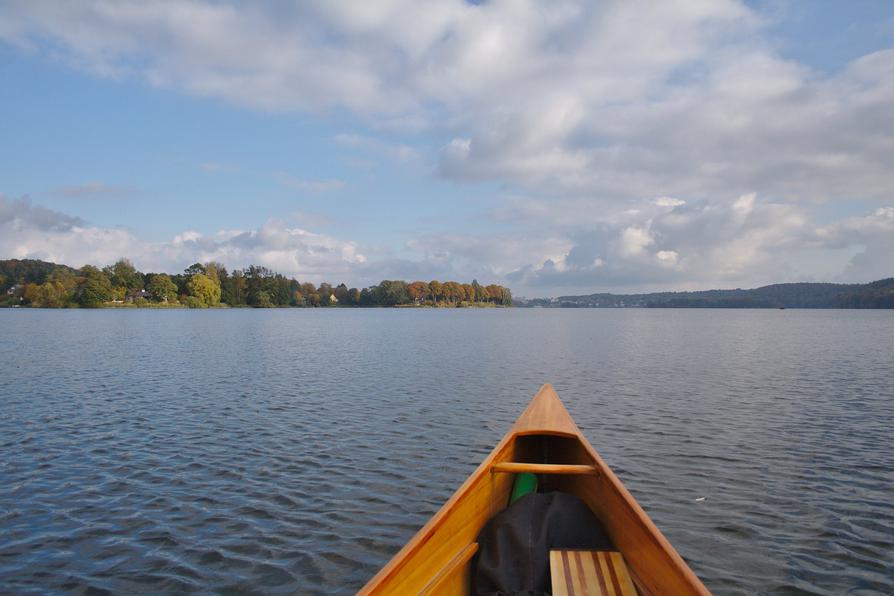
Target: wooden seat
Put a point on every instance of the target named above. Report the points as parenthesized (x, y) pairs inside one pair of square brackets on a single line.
[(589, 573)]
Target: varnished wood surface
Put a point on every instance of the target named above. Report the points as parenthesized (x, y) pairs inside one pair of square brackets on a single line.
[(514, 467), (589, 573), (545, 414), (544, 434), (453, 528), (445, 582)]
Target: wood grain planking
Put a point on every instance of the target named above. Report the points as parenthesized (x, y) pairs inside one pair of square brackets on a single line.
[(591, 563), (560, 577), (604, 572), (589, 573), (654, 566), (620, 569)]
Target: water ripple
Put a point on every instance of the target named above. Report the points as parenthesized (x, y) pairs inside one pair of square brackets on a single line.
[(279, 451)]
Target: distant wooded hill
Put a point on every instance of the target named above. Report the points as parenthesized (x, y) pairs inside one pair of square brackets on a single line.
[(877, 294)]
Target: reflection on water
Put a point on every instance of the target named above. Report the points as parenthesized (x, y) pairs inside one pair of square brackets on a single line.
[(275, 451)]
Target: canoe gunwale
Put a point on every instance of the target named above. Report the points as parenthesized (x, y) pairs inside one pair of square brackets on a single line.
[(427, 532), (546, 416)]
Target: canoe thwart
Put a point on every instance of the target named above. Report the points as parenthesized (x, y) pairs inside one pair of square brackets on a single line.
[(437, 560), (512, 467)]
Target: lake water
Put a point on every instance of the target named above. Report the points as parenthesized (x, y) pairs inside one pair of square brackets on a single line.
[(275, 451)]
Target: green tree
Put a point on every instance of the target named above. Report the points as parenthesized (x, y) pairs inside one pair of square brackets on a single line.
[(355, 296), (193, 269), (264, 300), (204, 289), (341, 295), (51, 295), (64, 276), (435, 288), (233, 289), (124, 275), (507, 297), (477, 291), (257, 279), (94, 288), (325, 292), (393, 292), (281, 290), (162, 288), (216, 271)]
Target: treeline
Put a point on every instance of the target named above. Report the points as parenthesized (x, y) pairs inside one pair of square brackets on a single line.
[(877, 294), (41, 284)]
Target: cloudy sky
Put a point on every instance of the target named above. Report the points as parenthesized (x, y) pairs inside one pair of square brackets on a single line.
[(556, 147)]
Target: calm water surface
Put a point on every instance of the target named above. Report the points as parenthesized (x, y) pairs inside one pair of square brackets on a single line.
[(274, 451)]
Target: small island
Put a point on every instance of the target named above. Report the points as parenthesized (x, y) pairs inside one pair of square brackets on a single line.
[(41, 284)]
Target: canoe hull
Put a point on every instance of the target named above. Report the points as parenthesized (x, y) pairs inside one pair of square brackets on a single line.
[(437, 560)]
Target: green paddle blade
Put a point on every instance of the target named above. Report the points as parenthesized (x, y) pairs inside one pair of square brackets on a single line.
[(524, 483)]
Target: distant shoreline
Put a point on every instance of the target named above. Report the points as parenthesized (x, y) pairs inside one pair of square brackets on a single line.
[(41, 284), (180, 306), (873, 295)]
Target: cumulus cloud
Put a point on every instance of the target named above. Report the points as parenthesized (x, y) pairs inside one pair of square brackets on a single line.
[(29, 231), (739, 242), (467, 256), (872, 235), (630, 135), (613, 100)]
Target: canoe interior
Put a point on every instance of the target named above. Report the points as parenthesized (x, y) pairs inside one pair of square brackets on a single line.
[(438, 559)]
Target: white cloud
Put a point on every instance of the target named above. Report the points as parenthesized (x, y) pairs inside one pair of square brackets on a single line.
[(467, 256), (741, 242), (668, 202), (29, 231), (667, 258), (872, 236), (635, 239), (696, 245), (643, 143), (614, 100)]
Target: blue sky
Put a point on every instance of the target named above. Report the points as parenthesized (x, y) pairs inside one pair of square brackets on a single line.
[(562, 148)]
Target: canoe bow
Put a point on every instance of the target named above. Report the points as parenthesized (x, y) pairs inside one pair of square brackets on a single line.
[(437, 560)]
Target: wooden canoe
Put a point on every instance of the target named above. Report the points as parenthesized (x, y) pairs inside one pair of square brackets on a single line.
[(544, 440)]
